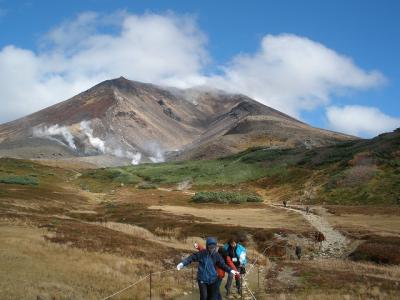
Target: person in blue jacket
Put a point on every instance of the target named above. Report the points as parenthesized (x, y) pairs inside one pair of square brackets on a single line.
[(206, 273), (238, 254)]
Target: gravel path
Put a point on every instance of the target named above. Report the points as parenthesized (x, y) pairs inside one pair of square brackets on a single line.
[(335, 243)]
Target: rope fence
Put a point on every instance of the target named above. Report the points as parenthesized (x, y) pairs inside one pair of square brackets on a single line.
[(152, 279)]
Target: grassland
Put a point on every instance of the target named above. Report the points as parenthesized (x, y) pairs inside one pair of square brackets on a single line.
[(114, 225)]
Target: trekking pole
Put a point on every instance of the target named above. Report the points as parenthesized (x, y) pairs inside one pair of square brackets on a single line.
[(258, 276), (150, 285)]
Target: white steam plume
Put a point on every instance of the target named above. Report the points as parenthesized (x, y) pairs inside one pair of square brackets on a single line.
[(136, 157), (157, 154), (101, 146), (50, 132), (96, 142)]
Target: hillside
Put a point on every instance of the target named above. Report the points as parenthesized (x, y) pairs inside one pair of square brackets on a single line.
[(355, 172), (132, 122)]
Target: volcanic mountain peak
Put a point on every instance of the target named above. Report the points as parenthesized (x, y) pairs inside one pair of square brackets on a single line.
[(144, 122)]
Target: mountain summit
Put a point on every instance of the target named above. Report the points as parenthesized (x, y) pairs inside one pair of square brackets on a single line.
[(119, 120)]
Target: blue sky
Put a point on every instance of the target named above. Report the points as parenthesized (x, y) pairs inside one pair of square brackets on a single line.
[(234, 38)]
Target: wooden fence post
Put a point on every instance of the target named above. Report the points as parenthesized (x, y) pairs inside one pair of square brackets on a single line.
[(241, 286), (150, 285)]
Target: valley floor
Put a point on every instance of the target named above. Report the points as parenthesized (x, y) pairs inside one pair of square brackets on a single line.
[(62, 240)]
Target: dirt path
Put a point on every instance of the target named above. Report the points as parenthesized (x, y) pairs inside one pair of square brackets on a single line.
[(335, 243)]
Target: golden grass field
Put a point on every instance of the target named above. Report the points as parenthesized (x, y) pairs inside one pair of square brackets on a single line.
[(265, 217)]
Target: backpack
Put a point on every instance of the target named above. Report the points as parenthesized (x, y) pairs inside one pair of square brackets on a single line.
[(240, 253)]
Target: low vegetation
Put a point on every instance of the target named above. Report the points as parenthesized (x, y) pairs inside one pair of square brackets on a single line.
[(22, 180), (147, 186), (224, 197)]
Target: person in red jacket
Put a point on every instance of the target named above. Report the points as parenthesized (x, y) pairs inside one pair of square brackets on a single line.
[(220, 272)]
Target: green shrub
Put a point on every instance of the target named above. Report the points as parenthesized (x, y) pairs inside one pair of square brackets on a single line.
[(224, 197), (23, 180), (117, 175), (147, 185)]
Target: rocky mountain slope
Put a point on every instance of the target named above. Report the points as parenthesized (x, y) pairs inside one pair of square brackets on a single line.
[(124, 121)]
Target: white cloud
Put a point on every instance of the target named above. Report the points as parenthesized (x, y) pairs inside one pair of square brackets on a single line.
[(293, 73), (76, 55), (359, 120), (289, 72)]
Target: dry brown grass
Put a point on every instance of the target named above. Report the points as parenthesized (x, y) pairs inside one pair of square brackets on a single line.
[(377, 224), (151, 196), (267, 217), (387, 210), (327, 295), (164, 237), (391, 272), (378, 249), (30, 267), (331, 279)]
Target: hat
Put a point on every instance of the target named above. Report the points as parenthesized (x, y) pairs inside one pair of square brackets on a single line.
[(211, 241)]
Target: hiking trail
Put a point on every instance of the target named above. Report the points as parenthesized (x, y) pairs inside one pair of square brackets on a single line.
[(335, 243)]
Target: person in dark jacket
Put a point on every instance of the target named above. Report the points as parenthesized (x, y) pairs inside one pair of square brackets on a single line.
[(206, 273), (220, 272)]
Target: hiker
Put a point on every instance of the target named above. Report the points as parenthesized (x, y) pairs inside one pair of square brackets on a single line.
[(206, 273), (298, 251), (220, 272), (319, 238), (307, 210), (238, 254), (284, 203), (221, 275)]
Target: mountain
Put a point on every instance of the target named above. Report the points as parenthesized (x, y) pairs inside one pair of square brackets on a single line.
[(120, 120)]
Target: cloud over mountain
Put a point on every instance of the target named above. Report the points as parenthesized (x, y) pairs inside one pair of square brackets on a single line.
[(288, 72)]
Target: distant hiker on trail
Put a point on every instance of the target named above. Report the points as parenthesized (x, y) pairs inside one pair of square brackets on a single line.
[(284, 203), (238, 254), (221, 272), (298, 251), (307, 210), (319, 238), (207, 276)]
